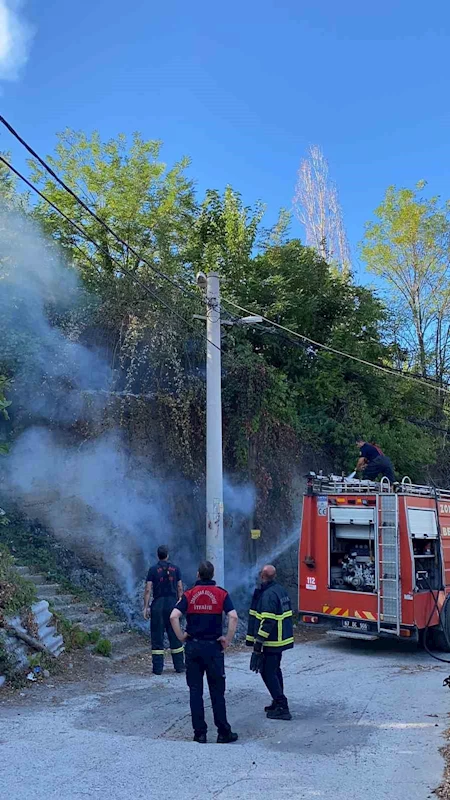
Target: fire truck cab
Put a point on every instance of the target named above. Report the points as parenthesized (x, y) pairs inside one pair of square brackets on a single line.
[(374, 559)]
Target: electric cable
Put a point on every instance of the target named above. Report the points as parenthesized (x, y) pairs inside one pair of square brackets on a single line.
[(128, 273), (436, 598), (337, 352), (442, 626), (95, 216)]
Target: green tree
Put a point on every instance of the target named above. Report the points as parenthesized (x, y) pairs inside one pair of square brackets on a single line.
[(325, 399), (152, 208), (149, 206), (408, 246), (225, 235)]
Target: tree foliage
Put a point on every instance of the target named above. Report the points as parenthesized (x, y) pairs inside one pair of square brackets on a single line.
[(408, 246), (282, 396), (149, 206)]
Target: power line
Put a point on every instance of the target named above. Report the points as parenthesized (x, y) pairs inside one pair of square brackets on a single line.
[(265, 330), (95, 216), (89, 238), (337, 352)]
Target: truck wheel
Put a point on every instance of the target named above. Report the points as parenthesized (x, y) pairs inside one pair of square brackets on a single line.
[(439, 636)]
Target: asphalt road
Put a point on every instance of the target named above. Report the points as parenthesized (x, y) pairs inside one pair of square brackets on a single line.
[(367, 722)]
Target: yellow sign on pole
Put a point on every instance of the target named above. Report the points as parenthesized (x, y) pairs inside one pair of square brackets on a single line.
[(255, 534)]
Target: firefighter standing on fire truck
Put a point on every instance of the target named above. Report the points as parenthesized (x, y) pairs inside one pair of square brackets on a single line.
[(164, 580), (270, 632), (373, 462)]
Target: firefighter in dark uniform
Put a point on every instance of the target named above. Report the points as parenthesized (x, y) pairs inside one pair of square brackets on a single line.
[(164, 581), (373, 462), (270, 633), (204, 606)]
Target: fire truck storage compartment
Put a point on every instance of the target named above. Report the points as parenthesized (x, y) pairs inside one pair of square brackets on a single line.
[(425, 547), (352, 548)]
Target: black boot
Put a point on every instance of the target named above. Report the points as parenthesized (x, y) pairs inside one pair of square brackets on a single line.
[(200, 738), (281, 711), (227, 738), (272, 706)]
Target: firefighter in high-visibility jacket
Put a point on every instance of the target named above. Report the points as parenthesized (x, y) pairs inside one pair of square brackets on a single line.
[(270, 632)]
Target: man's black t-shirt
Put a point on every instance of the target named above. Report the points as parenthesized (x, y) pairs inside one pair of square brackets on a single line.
[(369, 452), (204, 606), (164, 577)]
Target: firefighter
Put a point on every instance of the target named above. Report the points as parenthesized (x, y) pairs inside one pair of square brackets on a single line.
[(164, 581), (270, 632), (204, 606), (373, 462)]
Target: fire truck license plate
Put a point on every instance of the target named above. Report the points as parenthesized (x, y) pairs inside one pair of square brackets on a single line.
[(354, 625)]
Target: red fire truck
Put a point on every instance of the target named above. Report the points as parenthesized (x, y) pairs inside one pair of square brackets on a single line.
[(375, 559)]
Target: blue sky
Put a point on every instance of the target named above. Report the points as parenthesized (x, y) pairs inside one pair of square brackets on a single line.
[(244, 87)]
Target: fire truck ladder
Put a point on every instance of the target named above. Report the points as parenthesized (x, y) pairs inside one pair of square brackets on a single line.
[(389, 608)]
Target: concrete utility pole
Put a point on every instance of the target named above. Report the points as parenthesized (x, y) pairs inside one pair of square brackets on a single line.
[(214, 459), (214, 478)]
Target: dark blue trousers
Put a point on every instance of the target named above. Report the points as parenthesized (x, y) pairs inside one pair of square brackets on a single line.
[(273, 677), (206, 657), (160, 612)]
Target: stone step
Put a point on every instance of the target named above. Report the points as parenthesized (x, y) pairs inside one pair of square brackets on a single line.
[(92, 620), (106, 628), (64, 601), (24, 571), (47, 590), (38, 579), (138, 650), (128, 640), (74, 611)]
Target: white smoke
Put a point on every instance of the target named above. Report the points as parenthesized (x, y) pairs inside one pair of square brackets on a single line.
[(96, 497), (99, 496), (16, 35)]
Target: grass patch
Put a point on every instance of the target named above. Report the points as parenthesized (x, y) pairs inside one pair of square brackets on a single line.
[(103, 648), (75, 638), (16, 594), (94, 636)]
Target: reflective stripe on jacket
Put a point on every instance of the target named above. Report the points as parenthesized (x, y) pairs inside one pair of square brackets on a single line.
[(270, 619)]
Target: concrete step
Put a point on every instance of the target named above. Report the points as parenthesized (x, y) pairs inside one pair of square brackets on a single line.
[(138, 650), (38, 579), (47, 590), (102, 624), (24, 571), (92, 620), (74, 611), (109, 629), (64, 601), (128, 640)]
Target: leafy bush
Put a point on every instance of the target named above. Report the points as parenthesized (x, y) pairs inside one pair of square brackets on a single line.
[(103, 648), (74, 637)]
